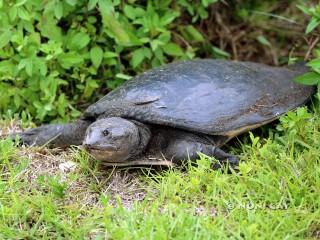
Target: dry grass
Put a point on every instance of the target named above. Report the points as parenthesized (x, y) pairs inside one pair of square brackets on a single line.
[(267, 32), (74, 167)]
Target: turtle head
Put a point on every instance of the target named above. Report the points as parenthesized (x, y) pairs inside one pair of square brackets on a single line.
[(112, 139)]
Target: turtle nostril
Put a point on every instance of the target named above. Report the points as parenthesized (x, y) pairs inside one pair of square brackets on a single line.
[(87, 145)]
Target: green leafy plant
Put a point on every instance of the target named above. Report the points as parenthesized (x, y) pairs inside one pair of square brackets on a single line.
[(312, 77), (57, 55), (53, 184)]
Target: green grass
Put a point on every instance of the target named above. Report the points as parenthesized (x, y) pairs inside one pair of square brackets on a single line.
[(274, 195)]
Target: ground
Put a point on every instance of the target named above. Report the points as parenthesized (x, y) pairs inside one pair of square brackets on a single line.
[(58, 193)]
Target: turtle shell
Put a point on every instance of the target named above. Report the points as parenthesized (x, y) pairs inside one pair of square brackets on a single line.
[(215, 97)]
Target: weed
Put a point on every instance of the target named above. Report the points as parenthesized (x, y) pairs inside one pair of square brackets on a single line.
[(273, 194)]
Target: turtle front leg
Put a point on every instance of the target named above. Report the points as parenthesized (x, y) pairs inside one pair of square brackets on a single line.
[(188, 148), (223, 157), (54, 135)]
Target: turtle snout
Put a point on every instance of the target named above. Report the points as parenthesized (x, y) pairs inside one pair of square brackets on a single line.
[(101, 147), (87, 145)]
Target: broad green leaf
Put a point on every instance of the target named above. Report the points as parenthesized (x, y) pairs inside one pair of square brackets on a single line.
[(261, 39), (106, 7), (13, 12), (79, 41), (144, 40), (75, 113), (190, 53), (35, 38), (70, 59), (304, 9), (155, 44), (194, 33), (48, 107), (220, 52), (5, 38), (164, 37), (92, 4), (314, 63), (202, 13), (312, 25), (172, 49), (168, 18), (48, 28), (310, 78), (96, 55), (42, 66), (29, 66), (109, 54), (159, 56), (129, 11), (133, 12), (58, 10), (23, 13), (137, 57), (91, 85), (147, 52), (17, 100), (22, 64), (20, 2), (72, 2), (156, 62), (27, 25), (115, 29), (206, 3), (62, 105), (123, 76), (6, 67)]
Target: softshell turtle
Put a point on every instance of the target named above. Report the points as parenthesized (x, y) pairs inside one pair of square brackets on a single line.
[(170, 114)]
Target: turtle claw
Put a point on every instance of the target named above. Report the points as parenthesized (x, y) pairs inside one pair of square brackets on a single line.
[(33, 137), (231, 162), (53, 135)]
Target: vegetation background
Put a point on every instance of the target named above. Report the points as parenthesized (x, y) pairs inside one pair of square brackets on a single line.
[(58, 56)]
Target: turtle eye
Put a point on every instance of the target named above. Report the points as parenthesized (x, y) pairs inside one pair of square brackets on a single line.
[(105, 132)]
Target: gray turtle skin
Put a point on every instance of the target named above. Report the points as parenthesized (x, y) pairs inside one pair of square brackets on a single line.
[(170, 114)]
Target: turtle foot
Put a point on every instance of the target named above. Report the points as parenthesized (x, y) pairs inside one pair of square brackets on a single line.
[(31, 137), (231, 162)]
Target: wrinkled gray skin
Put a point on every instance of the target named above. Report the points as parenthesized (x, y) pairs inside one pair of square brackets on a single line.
[(172, 113)]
